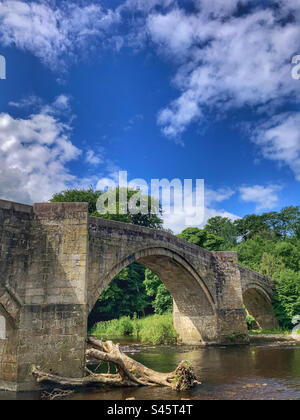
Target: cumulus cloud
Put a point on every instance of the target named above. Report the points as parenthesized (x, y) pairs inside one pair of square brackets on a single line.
[(265, 198), (53, 32), (145, 6), (178, 222), (34, 152), (93, 158), (226, 59), (217, 196), (279, 140)]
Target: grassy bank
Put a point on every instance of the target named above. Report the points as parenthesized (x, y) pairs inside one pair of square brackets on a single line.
[(153, 329), (278, 331)]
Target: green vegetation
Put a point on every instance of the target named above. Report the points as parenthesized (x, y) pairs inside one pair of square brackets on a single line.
[(153, 329), (162, 300), (90, 196), (125, 295), (250, 320), (278, 331), (130, 292), (268, 243), (235, 338)]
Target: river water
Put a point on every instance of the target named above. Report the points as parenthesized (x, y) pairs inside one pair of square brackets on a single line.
[(257, 372)]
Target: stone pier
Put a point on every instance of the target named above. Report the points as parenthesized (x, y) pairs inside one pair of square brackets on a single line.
[(55, 261)]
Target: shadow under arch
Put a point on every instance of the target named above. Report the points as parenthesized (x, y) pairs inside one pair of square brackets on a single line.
[(195, 314), (259, 305)]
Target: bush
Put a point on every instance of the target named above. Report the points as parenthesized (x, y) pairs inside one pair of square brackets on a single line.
[(250, 321), (125, 326), (159, 333), (153, 329)]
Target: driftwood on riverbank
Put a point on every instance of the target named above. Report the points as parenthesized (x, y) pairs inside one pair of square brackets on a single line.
[(128, 371)]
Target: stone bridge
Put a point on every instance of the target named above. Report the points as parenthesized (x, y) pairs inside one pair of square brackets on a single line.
[(55, 261)]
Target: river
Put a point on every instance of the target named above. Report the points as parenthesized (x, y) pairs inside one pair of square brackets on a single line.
[(257, 372)]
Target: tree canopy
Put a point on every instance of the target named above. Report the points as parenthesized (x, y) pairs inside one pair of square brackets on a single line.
[(90, 196), (127, 293), (268, 243)]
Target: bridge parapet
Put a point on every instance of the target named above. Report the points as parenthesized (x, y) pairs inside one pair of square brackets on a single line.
[(250, 277), (55, 261)]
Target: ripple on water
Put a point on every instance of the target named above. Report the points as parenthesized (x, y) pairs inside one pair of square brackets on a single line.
[(231, 373)]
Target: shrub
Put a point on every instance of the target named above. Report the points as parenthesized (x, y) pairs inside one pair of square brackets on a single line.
[(125, 326), (153, 329), (158, 329), (250, 321)]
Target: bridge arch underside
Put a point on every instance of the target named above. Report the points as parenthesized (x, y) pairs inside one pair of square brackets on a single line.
[(259, 304), (195, 318)]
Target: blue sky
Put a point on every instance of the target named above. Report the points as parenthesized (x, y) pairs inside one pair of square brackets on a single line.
[(159, 88)]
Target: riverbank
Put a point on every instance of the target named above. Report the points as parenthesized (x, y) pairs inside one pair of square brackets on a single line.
[(273, 339), (159, 330), (153, 329)]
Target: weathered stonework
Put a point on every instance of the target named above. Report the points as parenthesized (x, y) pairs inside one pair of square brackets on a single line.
[(55, 261)]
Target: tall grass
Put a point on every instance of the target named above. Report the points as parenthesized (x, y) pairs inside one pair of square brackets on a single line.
[(153, 329)]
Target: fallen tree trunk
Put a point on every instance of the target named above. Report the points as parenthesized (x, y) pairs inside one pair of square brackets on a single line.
[(128, 371)]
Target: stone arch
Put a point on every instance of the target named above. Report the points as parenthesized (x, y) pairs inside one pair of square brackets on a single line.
[(195, 314), (259, 304)]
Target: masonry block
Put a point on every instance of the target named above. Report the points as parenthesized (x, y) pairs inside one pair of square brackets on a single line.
[(55, 261)]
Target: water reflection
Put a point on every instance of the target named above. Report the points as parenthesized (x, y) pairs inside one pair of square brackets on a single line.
[(255, 372)]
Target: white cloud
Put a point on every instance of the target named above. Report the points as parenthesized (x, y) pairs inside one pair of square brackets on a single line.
[(217, 196), (265, 198), (28, 102), (177, 222), (53, 33), (93, 158), (279, 140), (225, 60), (33, 157), (145, 6), (62, 103), (219, 8)]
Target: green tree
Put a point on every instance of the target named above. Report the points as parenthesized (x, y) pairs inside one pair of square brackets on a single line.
[(250, 226), (289, 253), (90, 196), (125, 295), (162, 299), (268, 243), (270, 265), (286, 222), (202, 238), (287, 296), (224, 228), (250, 251), (78, 196)]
